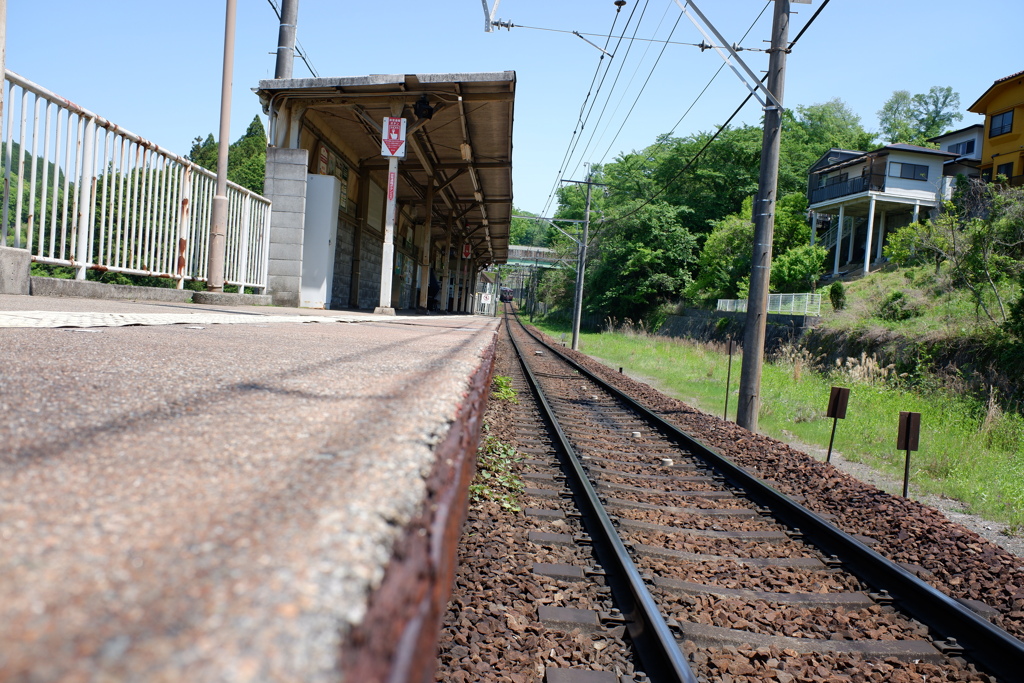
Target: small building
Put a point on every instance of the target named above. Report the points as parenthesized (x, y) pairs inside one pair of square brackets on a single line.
[(1002, 152), (329, 184), (967, 143), (855, 197)]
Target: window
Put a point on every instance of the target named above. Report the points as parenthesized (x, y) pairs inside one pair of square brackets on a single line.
[(908, 171), (1005, 169), (1001, 123), (962, 148)]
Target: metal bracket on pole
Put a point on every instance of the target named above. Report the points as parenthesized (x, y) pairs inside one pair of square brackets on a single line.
[(489, 13), (754, 84)]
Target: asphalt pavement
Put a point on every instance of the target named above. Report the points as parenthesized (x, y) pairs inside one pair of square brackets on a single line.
[(196, 493)]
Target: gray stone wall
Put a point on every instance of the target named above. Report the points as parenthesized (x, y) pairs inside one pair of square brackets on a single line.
[(369, 273), (285, 186), (343, 253)]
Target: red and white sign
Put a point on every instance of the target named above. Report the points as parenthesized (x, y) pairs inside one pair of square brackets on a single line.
[(393, 142), (392, 179), (467, 250)]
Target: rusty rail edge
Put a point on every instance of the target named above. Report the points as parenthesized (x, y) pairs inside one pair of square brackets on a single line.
[(662, 658), (396, 642), (988, 645)]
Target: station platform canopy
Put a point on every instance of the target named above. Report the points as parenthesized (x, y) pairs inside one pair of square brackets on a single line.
[(460, 139)]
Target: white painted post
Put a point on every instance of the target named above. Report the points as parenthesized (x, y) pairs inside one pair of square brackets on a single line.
[(814, 227), (387, 263), (917, 213), (85, 216), (867, 239), (839, 239)]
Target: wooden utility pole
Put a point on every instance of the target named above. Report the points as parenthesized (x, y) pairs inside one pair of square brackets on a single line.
[(764, 226)]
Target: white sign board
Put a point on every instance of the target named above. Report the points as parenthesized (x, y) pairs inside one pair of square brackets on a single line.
[(392, 143), (485, 298)]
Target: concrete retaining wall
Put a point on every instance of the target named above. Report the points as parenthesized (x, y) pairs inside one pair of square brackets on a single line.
[(719, 326)]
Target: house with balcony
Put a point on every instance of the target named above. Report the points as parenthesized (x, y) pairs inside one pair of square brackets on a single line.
[(1002, 152), (967, 143), (856, 197)]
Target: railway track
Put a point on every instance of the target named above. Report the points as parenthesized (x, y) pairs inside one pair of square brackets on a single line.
[(710, 572)]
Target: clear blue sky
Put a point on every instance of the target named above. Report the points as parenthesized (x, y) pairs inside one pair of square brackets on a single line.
[(154, 67)]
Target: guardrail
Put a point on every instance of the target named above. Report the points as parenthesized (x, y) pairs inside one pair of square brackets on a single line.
[(793, 304), (99, 197)]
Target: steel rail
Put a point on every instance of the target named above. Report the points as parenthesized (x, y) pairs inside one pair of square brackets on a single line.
[(662, 658), (988, 645)]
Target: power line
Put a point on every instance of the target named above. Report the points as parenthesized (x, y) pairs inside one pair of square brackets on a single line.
[(640, 93), (580, 122), (622, 64), (707, 144)]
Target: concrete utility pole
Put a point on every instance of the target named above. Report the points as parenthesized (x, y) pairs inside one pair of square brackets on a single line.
[(764, 227), (286, 39), (577, 311), (3, 51), (219, 209)]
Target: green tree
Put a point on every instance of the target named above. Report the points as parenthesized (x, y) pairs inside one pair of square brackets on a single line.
[(247, 156), (528, 233), (980, 235), (643, 262), (725, 257), (798, 269), (810, 131), (916, 118)]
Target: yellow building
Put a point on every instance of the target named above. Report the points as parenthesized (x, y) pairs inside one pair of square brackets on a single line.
[(1003, 143)]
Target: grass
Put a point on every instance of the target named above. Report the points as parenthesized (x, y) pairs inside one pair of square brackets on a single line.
[(945, 310), (970, 451)]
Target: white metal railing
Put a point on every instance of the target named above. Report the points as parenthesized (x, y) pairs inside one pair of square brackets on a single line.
[(97, 196), (794, 304)]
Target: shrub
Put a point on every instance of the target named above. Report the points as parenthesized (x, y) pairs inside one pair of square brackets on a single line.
[(897, 307), (837, 295)]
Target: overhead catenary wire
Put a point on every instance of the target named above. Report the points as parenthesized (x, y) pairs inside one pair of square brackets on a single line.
[(636, 100), (615, 81), (580, 120)]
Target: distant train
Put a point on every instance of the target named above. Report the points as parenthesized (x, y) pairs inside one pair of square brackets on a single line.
[(506, 294)]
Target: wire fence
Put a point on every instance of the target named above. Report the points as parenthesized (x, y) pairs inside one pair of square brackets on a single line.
[(793, 304)]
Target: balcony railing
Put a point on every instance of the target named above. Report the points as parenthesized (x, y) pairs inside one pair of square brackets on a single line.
[(874, 182)]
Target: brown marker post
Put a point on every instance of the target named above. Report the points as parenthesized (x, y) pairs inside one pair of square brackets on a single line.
[(837, 402), (907, 439)]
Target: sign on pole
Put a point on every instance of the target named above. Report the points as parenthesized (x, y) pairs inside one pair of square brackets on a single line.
[(393, 140), (467, 250)]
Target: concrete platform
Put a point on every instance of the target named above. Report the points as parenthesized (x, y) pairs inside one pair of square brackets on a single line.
[(232, 496)]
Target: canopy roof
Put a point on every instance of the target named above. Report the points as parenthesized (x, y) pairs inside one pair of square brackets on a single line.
[(466, 146)]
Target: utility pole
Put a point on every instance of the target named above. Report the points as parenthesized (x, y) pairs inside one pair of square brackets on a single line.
[(286, 39), (577, 311), (764, 226), (219, 209)]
